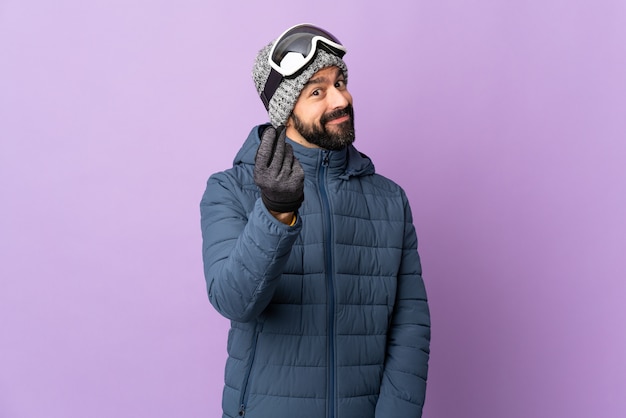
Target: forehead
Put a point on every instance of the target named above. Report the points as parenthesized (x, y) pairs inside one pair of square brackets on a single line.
[(328, 74)]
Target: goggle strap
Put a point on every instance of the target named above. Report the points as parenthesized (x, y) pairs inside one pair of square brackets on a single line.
[(271, 85)]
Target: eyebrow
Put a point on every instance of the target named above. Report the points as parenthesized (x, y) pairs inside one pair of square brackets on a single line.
[(322, 79)]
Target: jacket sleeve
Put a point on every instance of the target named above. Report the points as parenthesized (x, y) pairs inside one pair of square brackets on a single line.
[(403, 387), (243, 253)]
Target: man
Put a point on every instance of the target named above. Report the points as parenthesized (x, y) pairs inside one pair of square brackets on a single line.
[(313, 256)]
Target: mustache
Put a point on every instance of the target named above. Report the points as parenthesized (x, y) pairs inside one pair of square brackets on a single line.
[(346, 111)]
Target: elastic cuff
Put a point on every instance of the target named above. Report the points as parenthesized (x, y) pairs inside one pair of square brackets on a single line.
[(282, 206)]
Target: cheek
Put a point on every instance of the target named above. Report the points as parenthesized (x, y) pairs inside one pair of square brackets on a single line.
[(312, 115), (302, 111)]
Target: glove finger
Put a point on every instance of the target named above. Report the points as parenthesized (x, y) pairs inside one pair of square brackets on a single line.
[(297, 171), (265, 152), (279, 151), (281, 132), (288, 159)]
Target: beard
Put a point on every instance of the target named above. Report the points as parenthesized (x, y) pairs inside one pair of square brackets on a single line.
[(336, 138)]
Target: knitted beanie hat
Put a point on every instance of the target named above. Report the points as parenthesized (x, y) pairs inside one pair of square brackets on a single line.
[(282, 103)]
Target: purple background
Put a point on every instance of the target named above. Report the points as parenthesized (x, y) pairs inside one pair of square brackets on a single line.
[(504, 121)]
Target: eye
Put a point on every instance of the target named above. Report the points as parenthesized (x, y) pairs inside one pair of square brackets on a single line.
[(340, 84)]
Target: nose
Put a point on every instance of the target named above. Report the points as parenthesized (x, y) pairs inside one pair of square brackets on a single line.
[(337, 99)]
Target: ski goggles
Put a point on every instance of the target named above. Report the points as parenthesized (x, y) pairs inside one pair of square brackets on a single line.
[(293, 51)]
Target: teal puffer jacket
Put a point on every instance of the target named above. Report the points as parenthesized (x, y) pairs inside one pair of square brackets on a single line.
[(329, 316)]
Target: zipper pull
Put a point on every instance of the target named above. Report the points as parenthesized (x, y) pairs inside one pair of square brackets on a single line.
[(326, 159), (242, 410)]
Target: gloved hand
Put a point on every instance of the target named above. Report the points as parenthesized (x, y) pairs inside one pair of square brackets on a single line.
[(278, 173)]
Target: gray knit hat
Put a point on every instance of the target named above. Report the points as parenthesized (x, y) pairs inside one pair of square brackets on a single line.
[(286, 95)]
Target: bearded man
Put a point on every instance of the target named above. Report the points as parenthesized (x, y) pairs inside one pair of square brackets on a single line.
[(312, 255)]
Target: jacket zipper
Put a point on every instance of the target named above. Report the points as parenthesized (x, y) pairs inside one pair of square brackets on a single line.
[(330, 285), (244, 388)]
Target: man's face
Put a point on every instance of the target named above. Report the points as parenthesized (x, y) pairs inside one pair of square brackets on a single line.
[(323, 115)]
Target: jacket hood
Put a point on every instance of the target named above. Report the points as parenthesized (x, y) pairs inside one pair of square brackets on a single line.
[(348, 161)]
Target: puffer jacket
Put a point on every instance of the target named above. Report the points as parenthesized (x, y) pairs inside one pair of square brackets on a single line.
[(329, 317)]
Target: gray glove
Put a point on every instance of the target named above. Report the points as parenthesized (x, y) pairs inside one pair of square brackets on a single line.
[(278, 173)]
